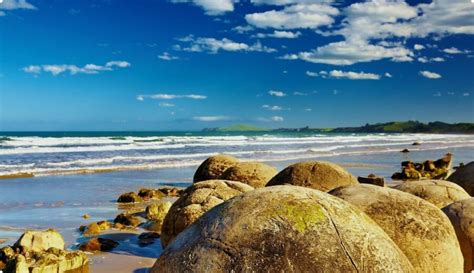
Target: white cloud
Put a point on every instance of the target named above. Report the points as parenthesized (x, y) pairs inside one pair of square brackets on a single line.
[(171, 97), (276, 93), (295, 16), (279, 34), (212, 45), (57, 69), (427, 60), (212, 7), (430, 75), (166, 104), (437, 94), (167, 57), (272, 107), (211, 118), (243, 29), (466, 94), (418, 47), (287, 2), (311, 74), (296, 93), (453, 50), (308, 109), (388, 75), (14, 4), (277, 119), (338, 74)]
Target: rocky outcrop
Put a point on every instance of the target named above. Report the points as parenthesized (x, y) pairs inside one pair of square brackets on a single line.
[(429, 169), (438, 192), (129, 197), (40, 240), (255, 174), (283, 229), (98, 244), (319, 175), (420, 229), (195, 201), (214, 167), (464, 177), (461, 214), (127, 220)]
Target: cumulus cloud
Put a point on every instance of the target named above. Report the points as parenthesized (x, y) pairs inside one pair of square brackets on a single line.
[(388, 75), (430, 60), (295, 16), (276, 93), (171, 97), (454, 50), (213, 46), (211, 118), (430, 75), (14, 4), (277, 119), (167, 57), (272, 107), (211, 7), (311, 74), (57, 69), (279, 34), (418, 47)]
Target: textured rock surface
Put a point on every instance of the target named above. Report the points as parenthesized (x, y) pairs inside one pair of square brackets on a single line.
[(438, 192), (129, 197), (419, 228), (255, 174), (157, 211), (127, 220), (319, 175), (214, 167), (195, 201), (372, 179), (40, 240), (283, 229), (98, 244), (461, 214), (464, 177)]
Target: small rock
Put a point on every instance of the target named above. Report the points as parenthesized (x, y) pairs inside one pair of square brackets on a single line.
[(92, 229), (171, 191), (129, 197), (405, 151), (98, 244), (147, 238), (150, 194), (372, 179), (416, 143), (86, 216), (127, 220)]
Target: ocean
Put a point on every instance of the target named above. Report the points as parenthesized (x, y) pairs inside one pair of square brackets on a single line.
[(61, 153)]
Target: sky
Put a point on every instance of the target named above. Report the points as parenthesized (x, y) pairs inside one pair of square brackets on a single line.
[(192, 64)]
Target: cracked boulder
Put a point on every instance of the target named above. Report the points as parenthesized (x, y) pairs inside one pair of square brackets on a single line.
[(194, 202), (40, 240), (255, 174), (420, 229), (214, 167), (438, 192), (319, 175), (461, 214), (283, 229), (464, 177)]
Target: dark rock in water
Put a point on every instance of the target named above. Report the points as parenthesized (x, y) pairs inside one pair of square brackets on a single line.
[(405, 151), (283, 229), (171, 191), (147, 238), (129, 197), (127, 220), (214, 167), (150, 194), (428, 169), (416, 143), (464, 177), (98, 244), (372, 179), (319, 175)]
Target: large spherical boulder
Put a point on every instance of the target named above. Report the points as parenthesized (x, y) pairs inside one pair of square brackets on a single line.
[(419, 228), (194, 202), (319, 175), (464, 177), (40, 240), (461, 214), (283, 229), (255, 174), (214, 167), (438, 192)]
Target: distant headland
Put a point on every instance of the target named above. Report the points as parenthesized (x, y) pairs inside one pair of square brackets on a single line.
[(388, 127)]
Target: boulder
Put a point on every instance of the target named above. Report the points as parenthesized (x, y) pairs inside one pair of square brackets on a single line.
[(40, 240), (147, 194), (127, 220), (195, 201), (438, 192), (171, 191), (461, 214), (419, 228), (95, 228), (129, 197), (372, 179), (319, 175), (98, 244), (255, 174), (283, 229), (464, 177), (214, 167), (429, 169), (157, 211)]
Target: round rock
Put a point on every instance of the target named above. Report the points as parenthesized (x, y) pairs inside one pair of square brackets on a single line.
[(283, 229), (420, 229), (214, 167), (438, 192), (194, 202), (40, 240), (461, 214), (255, 174), (319, 175), (464, 177)]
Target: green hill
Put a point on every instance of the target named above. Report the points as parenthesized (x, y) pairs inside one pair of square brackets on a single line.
[(236, 128)]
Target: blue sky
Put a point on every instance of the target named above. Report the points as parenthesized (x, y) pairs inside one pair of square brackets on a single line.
[(190, 64)]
